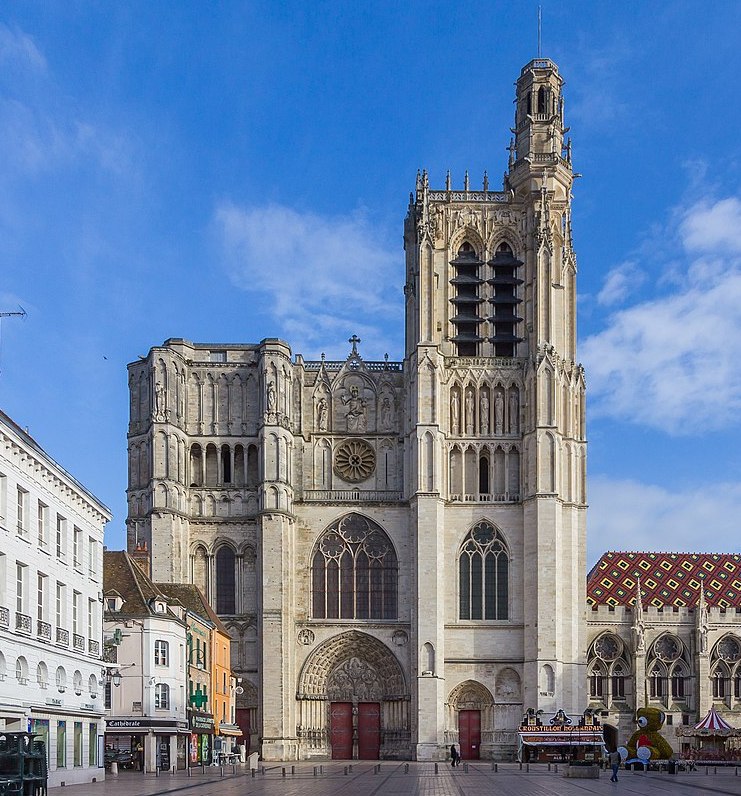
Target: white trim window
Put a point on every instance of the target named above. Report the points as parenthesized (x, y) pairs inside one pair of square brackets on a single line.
[(161, 653), (162, 696)]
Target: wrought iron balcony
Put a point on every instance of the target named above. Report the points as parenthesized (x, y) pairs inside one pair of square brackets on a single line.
[(43, 630), (22, 622)]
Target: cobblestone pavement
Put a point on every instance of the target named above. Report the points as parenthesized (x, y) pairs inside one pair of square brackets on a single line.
[(408, 779)]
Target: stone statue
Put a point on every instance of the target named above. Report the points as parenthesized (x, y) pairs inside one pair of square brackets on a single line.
[(386, 414), (499, 414), (469, 413), (455, 410), (322, 414), (356, 417), (271, 396), (484, 409), (159, 400), (513, 412)]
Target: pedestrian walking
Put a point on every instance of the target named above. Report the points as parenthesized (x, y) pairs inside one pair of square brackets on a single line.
[(615, 764), (456, 758)]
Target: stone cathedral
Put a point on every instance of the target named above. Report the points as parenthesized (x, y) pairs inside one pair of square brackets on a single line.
[(397, 548)]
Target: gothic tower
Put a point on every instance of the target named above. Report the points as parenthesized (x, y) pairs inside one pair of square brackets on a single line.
[(496, 441)]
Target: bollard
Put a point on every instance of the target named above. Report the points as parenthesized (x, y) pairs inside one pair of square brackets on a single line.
[(345, 771), (465, 768), (221, 771), (203, 768), (234, 769), (556, 768), (262, 770), (406, 768), (549, 766), (520, 766), (190, 771), (114, 769), (156, 771), (283, 771), (174, 770), (350, 767), (496, 768), (293, 770), (254, 771), (527, 768), (436, 768), (735, 773)]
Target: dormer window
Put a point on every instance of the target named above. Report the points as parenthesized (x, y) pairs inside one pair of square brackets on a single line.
[(114, 603)]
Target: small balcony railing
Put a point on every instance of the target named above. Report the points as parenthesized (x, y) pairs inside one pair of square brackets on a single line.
[(62, 636), (93, 647), (22, 622), (78, 642), (43, 630), (4, 616)]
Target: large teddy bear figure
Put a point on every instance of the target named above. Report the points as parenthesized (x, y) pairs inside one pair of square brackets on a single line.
[(646, 742)]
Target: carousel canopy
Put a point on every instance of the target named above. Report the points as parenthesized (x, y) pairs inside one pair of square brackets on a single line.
[(713, 722)]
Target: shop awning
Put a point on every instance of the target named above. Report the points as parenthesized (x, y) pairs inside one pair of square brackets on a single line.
[(229, 729), (566, 737)]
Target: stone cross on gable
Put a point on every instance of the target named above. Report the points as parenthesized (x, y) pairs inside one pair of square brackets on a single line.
[(354, 340)]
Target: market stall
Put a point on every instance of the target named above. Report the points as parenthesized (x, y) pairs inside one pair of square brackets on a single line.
[(714, 740)]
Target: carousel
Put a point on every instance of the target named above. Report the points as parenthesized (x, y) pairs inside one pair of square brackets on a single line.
[(715, 740)]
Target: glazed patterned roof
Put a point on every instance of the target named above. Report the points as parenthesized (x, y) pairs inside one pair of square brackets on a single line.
[(666, 579)]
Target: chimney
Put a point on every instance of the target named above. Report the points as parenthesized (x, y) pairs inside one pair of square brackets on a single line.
[(140, 556)]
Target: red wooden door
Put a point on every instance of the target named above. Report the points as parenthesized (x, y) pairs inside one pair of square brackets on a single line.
[(369, 731), (469, 733), (340, 730)]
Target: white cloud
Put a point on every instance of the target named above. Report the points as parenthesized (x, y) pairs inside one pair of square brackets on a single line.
[(19, 50), (619, 283), (626, 515), (671, 362), (320, 278), (712, 227)]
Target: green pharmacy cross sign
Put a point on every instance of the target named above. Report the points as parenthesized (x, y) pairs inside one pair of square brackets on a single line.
[(198, 698)]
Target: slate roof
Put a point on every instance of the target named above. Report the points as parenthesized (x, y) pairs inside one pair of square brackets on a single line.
[(193, 600), (122, 576), (667, 579)]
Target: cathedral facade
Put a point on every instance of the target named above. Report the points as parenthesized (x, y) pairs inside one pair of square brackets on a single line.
[(398, 549)]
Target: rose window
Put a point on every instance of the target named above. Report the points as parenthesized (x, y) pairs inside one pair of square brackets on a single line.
[(729, 649), (354, 461), (607, 648), (668, 649)]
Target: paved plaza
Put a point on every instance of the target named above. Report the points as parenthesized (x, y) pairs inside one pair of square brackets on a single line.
[(420, 779)]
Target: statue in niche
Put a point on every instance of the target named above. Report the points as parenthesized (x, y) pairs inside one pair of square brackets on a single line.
[(271, 396), (498, 414), (160, 399), (469, 413), (386, 414), (322, 414), (455, 411), (484, 408), (356, 407), (513, 412)]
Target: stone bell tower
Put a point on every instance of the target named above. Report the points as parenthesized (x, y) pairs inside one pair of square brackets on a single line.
[(497, 433)]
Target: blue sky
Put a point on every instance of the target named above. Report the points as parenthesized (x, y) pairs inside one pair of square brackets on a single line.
[(240, 170)]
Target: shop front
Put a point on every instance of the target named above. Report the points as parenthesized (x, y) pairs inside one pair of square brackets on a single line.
[(149, 744), (225, 741), (201, 738), (560, 744)]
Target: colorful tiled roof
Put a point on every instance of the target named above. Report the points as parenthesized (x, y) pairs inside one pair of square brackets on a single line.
[(666, 579)]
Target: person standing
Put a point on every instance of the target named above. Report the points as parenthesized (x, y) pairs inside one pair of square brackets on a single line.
[(614, 764), (454, 754)]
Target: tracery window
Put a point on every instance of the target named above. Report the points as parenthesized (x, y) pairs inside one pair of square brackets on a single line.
[(657, 682), (483, 566), (618, 682), (225, 581), (354, 572), (596, 682), (678, 677)]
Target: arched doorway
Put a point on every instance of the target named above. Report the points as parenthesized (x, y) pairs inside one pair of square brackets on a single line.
[(470, 715), (353, 701)]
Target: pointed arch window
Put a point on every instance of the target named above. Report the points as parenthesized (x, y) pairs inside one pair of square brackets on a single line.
[(657, 682), (354, 572), (483, 566), (225, 581), (596, 681)]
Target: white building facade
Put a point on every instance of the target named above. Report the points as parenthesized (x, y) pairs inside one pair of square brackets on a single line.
[(397, 548), (51, 580), (145, 645)]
